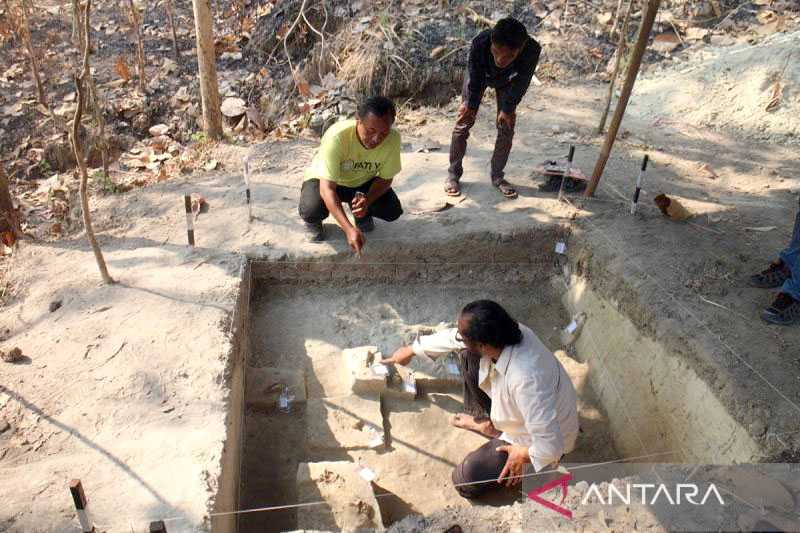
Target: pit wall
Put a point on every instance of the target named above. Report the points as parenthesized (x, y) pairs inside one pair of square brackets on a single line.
[(523, 257), (228, 484), (655, 402)]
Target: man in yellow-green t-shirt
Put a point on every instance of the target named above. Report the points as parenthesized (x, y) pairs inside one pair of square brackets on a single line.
[(355, 163)]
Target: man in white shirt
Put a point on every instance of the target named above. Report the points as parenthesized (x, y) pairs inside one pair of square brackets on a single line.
[(516, 393)]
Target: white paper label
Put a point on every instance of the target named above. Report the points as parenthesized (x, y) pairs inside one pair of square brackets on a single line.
[(367, 474), (379, 369), (561, 248), (571, 327), (409, 387), (452, 367)]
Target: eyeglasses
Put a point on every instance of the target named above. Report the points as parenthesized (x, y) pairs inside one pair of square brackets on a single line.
[(459, 337)]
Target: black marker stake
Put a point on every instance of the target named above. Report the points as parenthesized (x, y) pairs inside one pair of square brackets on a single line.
[(567, 170), (187, 205), (639, 183), (247, 188)]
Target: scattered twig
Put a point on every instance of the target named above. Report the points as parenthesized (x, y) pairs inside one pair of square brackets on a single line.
[(453, 51)]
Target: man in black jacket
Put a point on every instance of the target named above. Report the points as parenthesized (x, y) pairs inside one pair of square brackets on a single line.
[(504, 58)]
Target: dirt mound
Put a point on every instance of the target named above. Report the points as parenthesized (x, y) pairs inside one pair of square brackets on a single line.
[(414, 52), (752, 90)]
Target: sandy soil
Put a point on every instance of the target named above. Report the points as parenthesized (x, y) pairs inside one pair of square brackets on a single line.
[(306, 328), (132, 398)]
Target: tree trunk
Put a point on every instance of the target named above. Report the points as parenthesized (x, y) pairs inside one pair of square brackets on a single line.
[(207, 64), (10, 230), (80, 85), (137, 26), (621, 47), (170, 7), (26, 38), (627, 88)]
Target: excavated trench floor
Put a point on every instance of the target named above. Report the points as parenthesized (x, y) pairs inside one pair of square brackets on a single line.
[(298, 331)]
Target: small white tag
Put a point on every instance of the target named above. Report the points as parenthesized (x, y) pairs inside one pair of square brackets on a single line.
[(367, 474), (452, 368), (409, 387), (379, 369), (561, 248), (571, 327)]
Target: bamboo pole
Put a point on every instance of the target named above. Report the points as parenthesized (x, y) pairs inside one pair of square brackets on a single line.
[(627, 88)]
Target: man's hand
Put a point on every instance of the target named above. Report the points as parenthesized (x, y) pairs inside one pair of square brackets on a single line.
[(515, 464), (465, 114), (355, 239), (359, 206), (506, 120), (401, 356)]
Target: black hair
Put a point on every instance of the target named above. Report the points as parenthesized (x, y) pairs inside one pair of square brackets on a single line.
[(509, 32), (380, 106), (488, 323)]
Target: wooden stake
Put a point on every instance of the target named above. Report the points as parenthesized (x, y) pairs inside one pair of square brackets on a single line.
[(247, 189), (207, 65), (79, 499), (187, 204), (627, 89), (621, 47)]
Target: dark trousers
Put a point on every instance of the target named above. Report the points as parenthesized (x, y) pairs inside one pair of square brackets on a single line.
[(313, 209), (458, 143), (485, 463)]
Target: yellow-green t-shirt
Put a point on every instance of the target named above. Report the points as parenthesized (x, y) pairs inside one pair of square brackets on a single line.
[(342, 158)]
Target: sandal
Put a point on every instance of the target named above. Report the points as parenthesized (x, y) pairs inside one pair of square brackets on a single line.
[(506, 189), (451, 187)]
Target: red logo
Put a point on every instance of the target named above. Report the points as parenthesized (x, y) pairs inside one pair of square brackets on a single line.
[(563, 482)]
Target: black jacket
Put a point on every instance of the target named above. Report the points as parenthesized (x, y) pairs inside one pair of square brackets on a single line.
[(483, 72)]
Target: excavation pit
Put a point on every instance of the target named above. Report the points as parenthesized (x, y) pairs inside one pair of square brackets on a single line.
[(302, 315)]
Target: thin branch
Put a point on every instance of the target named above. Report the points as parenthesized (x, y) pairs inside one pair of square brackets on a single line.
[(26, 38), (77, 148), (300, 15), (170, 5)]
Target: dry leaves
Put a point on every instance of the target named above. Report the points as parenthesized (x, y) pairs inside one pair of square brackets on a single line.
[(775, 97), (666, 42), (121, 68)]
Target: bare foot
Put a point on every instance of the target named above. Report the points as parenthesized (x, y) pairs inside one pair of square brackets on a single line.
[(484, 427)]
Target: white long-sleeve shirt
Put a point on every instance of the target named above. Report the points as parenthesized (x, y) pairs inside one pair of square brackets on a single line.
[(533, 401)]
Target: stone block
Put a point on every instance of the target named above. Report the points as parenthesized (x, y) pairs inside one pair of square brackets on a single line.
[(263, 387), (351, 503), (364, 373)]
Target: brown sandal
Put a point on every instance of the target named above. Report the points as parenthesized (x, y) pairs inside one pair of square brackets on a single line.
[(506, 189), (452, 187)]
